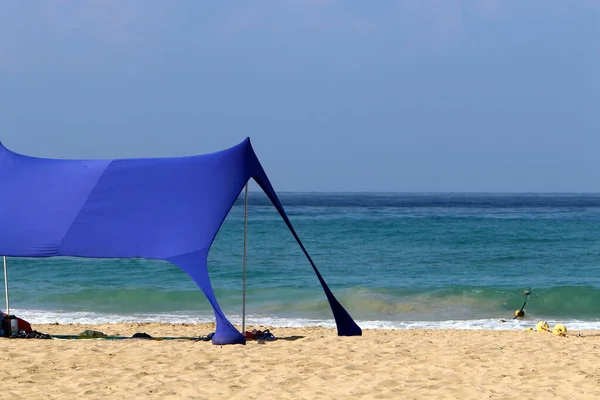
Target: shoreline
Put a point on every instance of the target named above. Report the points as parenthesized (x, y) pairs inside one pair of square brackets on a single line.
[(199, 330), (498, 322), (207, 327)]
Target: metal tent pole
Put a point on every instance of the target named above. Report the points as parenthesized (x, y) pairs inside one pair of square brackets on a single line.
[(244, 262), (6, 286)]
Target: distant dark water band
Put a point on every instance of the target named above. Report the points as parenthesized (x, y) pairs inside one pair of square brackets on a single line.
[(447, 200)]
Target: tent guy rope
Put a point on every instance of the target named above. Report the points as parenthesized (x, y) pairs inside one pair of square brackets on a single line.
[(244, 261), (6, 286)]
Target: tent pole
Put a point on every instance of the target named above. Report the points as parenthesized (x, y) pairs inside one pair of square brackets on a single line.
[(6, 285), (244, 262)]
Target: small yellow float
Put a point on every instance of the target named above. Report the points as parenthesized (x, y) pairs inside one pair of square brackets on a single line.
[(560, 330), (542, 326)]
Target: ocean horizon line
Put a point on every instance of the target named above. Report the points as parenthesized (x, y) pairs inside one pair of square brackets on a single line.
[(357, 192)]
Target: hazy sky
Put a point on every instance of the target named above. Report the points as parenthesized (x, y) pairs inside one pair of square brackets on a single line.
[(355, 95)]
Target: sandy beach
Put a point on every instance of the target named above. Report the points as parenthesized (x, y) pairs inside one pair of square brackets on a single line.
[(304, 363)]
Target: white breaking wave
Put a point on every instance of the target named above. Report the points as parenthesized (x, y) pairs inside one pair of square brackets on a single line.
[(46, 317)]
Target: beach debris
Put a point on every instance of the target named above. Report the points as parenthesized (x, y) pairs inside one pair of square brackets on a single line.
[(88, 333), (205, 338), (31, 335), (583, 334)]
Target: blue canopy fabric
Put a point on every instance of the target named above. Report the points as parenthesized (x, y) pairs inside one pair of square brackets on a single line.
[(157, 208)]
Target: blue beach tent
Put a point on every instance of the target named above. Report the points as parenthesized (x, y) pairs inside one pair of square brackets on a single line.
[(158, 208)]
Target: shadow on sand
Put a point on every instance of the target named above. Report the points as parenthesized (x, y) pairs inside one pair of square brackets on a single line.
[(288, 338)]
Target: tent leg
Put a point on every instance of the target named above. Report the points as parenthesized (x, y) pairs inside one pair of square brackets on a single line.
[(244, 261), (6, 286)]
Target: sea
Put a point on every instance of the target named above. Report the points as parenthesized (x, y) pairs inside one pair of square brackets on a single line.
[(394, 260)]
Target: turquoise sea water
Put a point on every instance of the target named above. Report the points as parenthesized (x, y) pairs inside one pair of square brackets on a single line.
[(393, 260)]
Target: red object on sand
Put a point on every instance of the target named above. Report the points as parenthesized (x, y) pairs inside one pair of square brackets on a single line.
[(23, 325), (253, 334)]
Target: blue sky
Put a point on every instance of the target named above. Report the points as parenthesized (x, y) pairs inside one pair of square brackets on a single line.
[(405, 95)]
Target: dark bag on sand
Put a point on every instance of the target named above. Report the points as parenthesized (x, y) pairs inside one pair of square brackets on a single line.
[(4, 325), (142, 335)]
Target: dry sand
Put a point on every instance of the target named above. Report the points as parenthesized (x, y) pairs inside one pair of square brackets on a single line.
[(307, 363)]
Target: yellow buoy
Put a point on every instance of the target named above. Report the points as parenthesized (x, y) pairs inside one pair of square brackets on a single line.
[(560, 330), (542, 326), (519, 313)]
